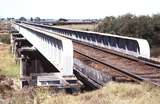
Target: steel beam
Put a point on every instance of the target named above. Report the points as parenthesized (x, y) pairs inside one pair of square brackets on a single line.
[(128, 45), (56, 49)]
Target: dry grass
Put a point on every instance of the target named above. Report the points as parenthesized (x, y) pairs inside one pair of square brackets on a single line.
[(112, 93), (88, 27), (8, 66), (4, 25)]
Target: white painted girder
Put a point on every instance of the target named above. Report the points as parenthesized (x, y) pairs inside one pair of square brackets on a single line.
[(58, 50), (128, 45)]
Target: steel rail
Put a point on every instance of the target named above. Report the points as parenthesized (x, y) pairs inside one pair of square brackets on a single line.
[(137, 59), (125, 73), (123, 55), (134, 77), (128, 45), (120, 71)]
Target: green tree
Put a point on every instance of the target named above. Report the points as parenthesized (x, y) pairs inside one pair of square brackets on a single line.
[(147, 27), (37, 19), (22, 19)]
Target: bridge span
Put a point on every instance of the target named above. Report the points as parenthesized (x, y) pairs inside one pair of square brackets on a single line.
[(128, 45), (33, 46), (51, 56)]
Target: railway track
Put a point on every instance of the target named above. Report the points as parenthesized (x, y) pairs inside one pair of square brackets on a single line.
[(120, 66)]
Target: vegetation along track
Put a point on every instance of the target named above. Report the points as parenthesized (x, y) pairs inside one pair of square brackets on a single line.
[(119, 66)]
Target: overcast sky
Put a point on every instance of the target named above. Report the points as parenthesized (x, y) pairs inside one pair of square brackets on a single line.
[(77, 9)]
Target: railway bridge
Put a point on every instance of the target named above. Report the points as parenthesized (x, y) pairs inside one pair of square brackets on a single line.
[(52, 56)]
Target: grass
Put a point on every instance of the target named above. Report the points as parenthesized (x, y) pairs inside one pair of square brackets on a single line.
[(8, 66), (5, 38), (87, 27), (112, 93)]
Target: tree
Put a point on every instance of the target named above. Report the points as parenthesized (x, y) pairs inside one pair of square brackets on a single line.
[(31, 19), (37, 19), (146, 27), (22, 19), (62, 20)]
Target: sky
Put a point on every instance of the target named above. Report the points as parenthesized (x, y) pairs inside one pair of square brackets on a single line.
[(77, 9)]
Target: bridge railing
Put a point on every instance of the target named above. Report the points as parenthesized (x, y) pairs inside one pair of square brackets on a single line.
[(58, 50), (128, 45)]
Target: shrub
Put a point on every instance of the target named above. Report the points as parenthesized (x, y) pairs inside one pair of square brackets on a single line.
[(5, 39)]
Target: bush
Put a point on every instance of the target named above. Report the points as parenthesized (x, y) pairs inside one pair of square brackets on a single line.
[(146, 27), (5, 39)]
